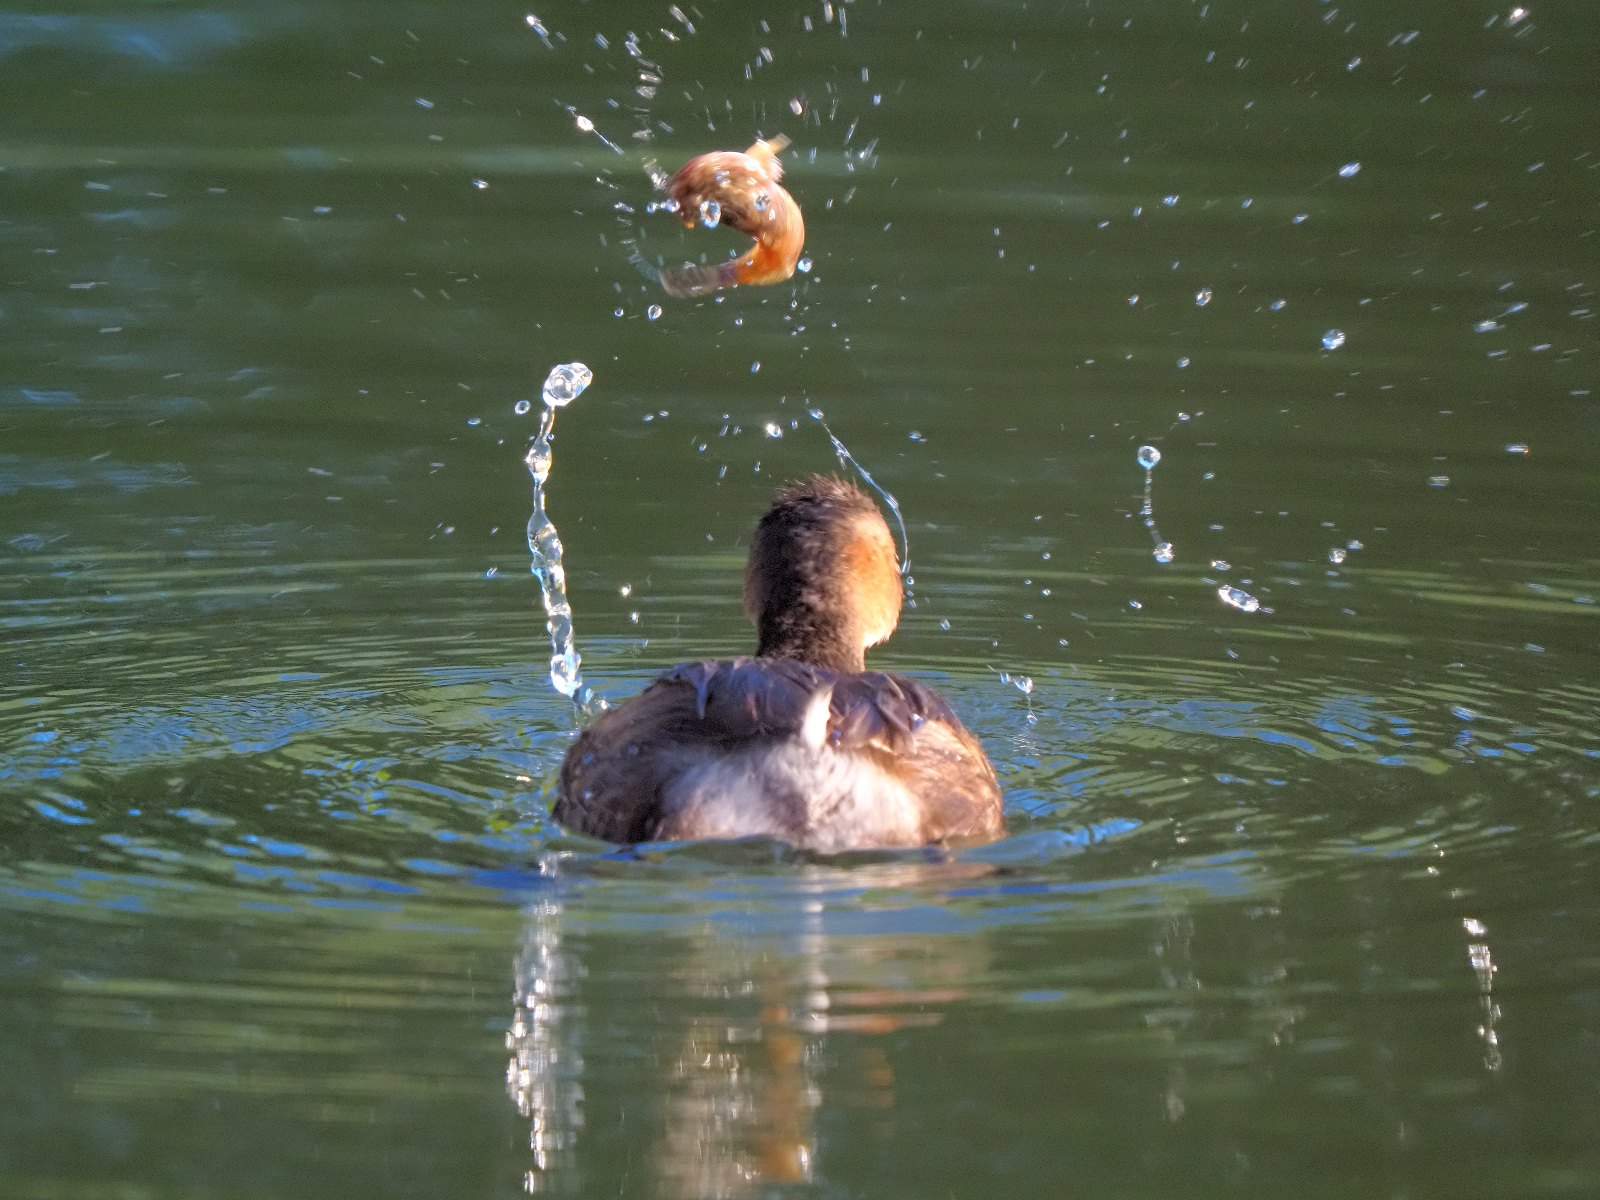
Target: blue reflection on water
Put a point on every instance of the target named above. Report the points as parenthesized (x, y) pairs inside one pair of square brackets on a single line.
[(164, 40)]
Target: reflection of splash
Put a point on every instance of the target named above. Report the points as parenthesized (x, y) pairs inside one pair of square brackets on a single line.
[(544, 1076), (746, 1033), (1483, 966)]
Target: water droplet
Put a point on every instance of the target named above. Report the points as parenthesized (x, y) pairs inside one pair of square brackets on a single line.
[(1235, 598), (584, 124), (474, 420), (710, 213), (625, 590), (1517, 307), (1517, 448), (1183, 362), (1164, 552), (1133, 299), (1169, 201), (565, 384), (521, 408), (1349, 169), (1351, 66), (1221, 564), (803, 265), (1486, 326), (616, 312), (773, 429), (1203, 297), (1278, 304), (1298, 217), (1333, 339), (762, 201), (652, 312), (1134, 604), (754, 367), (424, 103), (1515, 15), (1149, 456), (1336, 555), (480, 184), (1438, 481), (944, 624), (1352, 544)]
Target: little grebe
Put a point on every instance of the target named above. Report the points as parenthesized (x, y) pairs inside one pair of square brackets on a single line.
[(801, 742)]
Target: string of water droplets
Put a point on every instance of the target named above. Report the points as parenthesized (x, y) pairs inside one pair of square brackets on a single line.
[(1149, 456), (844, 456), (1163, 550), (561, 387)]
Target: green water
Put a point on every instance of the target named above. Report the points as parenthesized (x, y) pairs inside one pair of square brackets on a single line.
[(1299, 902)]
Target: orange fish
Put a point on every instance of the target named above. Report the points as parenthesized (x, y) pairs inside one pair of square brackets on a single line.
[(741, 190)]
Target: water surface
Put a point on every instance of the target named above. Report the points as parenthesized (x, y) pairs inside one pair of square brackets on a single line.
[(1298, 901)]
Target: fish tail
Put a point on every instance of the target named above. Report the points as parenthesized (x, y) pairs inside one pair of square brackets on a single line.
[(692, 280)]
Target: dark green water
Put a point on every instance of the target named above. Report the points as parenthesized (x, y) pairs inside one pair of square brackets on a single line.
[(1297, 903)]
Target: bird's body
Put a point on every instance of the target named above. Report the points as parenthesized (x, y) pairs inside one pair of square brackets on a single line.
[(800, 742)]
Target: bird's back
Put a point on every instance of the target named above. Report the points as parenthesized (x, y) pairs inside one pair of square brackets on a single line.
[(777, 747)]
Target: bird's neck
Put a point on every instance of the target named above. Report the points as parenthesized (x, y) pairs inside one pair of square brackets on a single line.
[(807, 639)]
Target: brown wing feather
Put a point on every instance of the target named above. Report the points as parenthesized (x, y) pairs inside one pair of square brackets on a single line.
[(751, 697), (953, 778), (613, 776)]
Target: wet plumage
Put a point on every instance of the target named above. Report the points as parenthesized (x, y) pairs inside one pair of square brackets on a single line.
[(800, 742)]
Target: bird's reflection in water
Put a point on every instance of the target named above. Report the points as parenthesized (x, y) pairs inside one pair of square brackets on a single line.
[(732, 1049)]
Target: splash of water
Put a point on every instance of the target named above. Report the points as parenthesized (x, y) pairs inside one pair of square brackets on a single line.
[(585, 125), (563, 385), (1023, 684), (1149, 456), (1238, 598), (844, 456)]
